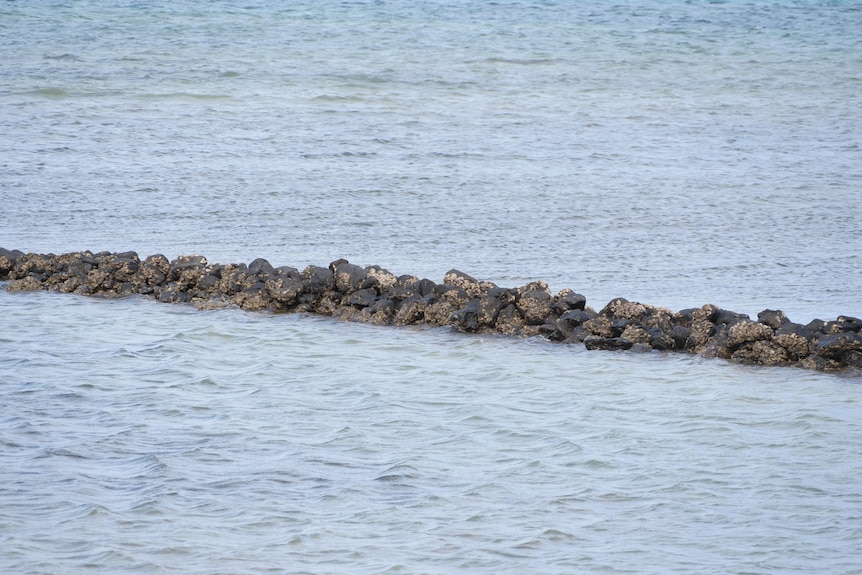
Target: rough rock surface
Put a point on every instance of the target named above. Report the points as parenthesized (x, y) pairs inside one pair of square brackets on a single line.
[(375, 295)]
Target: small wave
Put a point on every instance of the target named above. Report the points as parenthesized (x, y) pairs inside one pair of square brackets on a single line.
[(185, 96)]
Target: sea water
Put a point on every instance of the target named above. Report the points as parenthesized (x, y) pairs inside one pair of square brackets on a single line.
[(671, 153)]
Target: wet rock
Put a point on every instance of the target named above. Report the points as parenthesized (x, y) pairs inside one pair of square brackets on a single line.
[(454, 296), (439, 312), (487, 309), (636, 334), (27, 283), (680, 335), (466, 319), (570, 320), (568, 300), (815, 326), (172, 292), (843, 324), (261, 268), (99, 281), (253, 298), (535, 306), (385, 279), (427, 287), (349, 277), (361, 298), (760, 352), (607, 343), (774, 318), (793, 328), (316, 280), (794, 345), (7, 261), (747, 331), (820, 363), (509, 322), (409, 312), (835, 345), (599, 326), (464, 281)]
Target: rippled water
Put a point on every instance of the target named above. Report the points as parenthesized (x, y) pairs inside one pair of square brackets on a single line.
[(671, 153), (144, 436)]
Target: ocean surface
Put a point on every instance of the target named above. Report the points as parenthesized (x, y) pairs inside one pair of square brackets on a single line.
[(673, 153)]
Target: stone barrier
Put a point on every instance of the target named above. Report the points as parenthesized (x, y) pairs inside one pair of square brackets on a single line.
[(374, 295)]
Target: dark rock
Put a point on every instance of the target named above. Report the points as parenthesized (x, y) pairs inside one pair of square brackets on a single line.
[(636, 334), (599, 326), (98, 281), (815, 326), (618, 326), (385, 279), (820, 363), (793, 328), (428, 287), (438, 313), (535, 306), (835, 345), (409, 312), (684, 317), (760, 352), (261, 268), (707, 313), (336, 263), (572, 319), (233, 279), (662, 340), (578, 335), (699, 334), (172, 292), (316, 280), (208, 283), (487, 310), (466, 282), (794, 344), (509, 322), (607, 343), (7, 261), (853, 359), (454, 295), (466, 319), (731, 317), (843, 324), (774, 318), (26, 283), (568, 300), (288, 272), (253, 298), (747, 331), (361, 298), (407, 281), (680, 335), (349, 277), (506, 296)]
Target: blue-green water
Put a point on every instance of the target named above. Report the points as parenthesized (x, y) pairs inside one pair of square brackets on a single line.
[(672, 153)]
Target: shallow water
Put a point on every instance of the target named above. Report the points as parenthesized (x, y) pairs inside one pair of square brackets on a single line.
[(674, 154), (146, 436)]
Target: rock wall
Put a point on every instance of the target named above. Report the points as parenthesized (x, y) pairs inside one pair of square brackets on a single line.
[(374, 295)]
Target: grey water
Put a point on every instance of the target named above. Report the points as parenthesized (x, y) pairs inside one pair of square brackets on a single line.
[(667, 152)]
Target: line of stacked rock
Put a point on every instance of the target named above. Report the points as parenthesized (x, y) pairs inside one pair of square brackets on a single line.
[(374, 295)]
